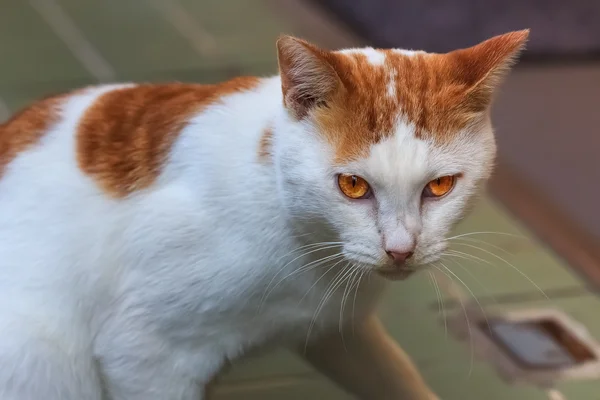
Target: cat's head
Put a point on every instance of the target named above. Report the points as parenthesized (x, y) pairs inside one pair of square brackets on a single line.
[(388, 147)]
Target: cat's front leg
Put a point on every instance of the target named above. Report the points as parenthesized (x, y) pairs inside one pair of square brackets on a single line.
[(140, 366), (368, 364)]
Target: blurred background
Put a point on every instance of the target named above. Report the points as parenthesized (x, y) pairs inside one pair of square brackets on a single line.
[(531, 250)]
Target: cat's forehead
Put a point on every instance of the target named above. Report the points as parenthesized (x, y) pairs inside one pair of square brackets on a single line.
[(386, 88)]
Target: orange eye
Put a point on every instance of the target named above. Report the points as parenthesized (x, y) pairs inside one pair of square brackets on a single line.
[(353, 186), (439, 187)]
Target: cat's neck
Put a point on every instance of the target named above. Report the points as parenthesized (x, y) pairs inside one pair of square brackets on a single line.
[(231, 158)]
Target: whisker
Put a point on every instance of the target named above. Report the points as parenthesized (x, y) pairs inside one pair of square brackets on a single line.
[(311, 265), (324, 298), (487, 243), (468, 322), (469, 290), (336, 282), (318, 262), (512, 266), (346, 294), (440, 299), (321, 277), (468, 256), (310, 246), (349, 282), (484, 287), (360, 276), (487, 233), (300, 256)]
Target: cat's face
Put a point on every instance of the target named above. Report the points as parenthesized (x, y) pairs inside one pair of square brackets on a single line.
[(389, 147)]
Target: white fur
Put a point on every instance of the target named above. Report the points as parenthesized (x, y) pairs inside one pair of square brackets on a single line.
[(374, 57), (391, 85), (147, 297), (408, 53)]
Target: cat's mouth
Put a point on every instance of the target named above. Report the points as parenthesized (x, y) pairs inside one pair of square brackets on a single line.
[(392, 272)]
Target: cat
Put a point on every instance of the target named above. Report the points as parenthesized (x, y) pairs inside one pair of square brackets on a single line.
[(150, 234)]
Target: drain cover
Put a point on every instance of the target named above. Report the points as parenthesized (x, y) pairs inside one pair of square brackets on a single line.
[(542, 344), (539, 347)]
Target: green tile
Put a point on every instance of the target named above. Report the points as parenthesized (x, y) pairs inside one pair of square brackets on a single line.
[(457, 382), (229, 24), (274, 364), (30, 51), (134, 36), (248, 49), (409, 311), (23, 95), (510, 259), (583, 310), (448, 364), (288, 389), (235, 17), (581, 390)]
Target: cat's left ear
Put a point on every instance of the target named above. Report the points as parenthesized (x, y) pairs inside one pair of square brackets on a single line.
[(481, 68), (307, 77)]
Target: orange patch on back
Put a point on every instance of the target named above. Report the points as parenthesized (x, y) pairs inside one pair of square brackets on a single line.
[(124, 138), (265, 145), (26, 128)]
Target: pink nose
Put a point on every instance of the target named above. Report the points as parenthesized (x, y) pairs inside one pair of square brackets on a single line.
[(399, 257)]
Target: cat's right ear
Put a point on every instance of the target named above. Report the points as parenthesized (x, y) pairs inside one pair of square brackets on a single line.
[(307, 78)]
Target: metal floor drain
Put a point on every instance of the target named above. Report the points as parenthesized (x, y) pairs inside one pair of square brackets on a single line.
[(539, 347)]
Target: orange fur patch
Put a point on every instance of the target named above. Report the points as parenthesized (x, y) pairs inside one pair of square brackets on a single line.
[(26, 128), (265, 145), (437, 94), (124, 138)]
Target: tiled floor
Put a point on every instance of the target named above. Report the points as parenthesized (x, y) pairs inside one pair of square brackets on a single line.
[(53, 45)]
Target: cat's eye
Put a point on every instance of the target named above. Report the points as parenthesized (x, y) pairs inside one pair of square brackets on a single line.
[(439, 187), (354, 186)]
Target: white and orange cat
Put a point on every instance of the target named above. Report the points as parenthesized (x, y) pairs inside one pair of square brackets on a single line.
[(150, 234)]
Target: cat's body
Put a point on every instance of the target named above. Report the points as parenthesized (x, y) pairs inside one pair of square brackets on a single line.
[(111, 267), (149, 234)]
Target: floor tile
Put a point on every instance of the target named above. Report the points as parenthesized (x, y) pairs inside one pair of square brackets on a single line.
[(457, 382), (277, 363), (134, 35), (289, 389), (497, 254), (456, 372), (235, 17), (25, 94), (30, 51)]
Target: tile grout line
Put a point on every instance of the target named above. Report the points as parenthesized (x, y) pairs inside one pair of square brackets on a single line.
[(66, 29), (190, 29), (4, 110)]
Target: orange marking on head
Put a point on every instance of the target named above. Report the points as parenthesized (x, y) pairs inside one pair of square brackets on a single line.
[(26, 128), (124, 138), (265, 145), (356, 102)]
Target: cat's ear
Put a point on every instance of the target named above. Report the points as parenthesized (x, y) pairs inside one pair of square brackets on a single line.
[(307, 78), (481, 68)]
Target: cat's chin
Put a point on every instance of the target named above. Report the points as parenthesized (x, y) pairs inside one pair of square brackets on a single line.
[(395, 274)]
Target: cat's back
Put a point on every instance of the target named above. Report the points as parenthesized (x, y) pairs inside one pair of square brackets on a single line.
[(74, 166), (118, 136)]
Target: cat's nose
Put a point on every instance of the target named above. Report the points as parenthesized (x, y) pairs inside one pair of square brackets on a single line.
[(399, 257)]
